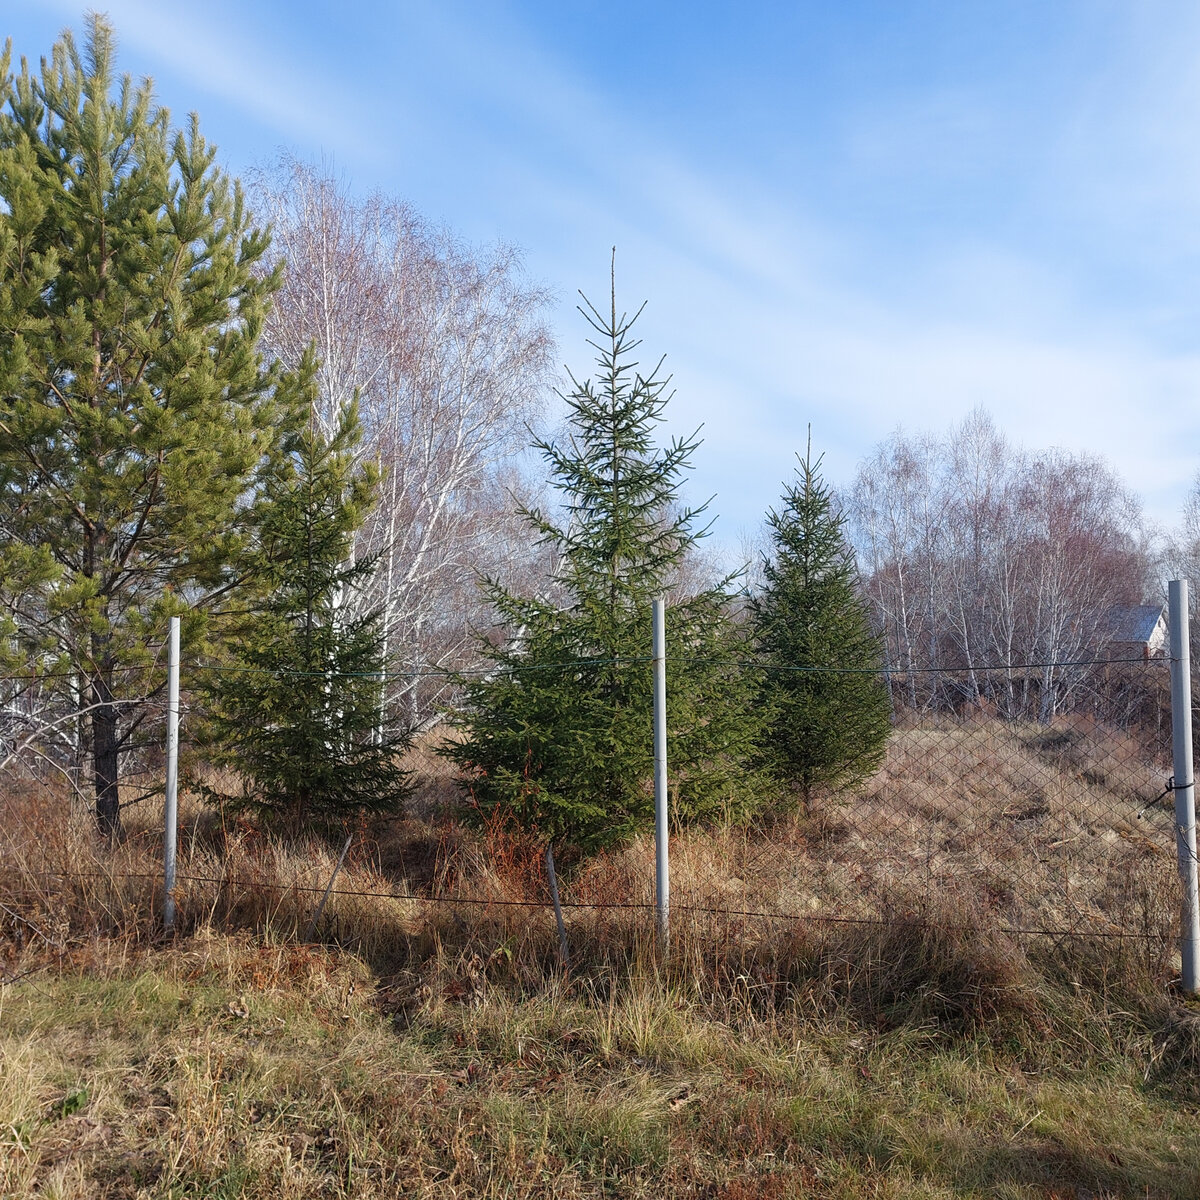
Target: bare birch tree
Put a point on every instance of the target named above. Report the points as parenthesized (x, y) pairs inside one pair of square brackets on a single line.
[(891, 514), (446, 347), (1082, 555), (976, 553)]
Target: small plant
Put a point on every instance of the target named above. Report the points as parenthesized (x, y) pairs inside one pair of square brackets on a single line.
[(69, 1105)]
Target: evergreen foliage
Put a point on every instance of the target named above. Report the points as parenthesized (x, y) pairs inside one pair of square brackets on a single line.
[(297, 710), (559, 733), (135, 416), (830, 710)]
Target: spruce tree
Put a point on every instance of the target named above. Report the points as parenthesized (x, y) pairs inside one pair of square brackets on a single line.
[(559, 732), (135, 415), (821, 662), (296, 708)]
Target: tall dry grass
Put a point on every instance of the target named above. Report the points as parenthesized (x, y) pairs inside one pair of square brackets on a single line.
[(977, 832), (843, 1010)]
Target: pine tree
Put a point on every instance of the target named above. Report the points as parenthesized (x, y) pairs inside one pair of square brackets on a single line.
[(135, 415), (296, 709), (559, 733), (830, 712)]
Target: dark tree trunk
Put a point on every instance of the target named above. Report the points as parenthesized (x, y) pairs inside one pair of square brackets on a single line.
[(105, 752)]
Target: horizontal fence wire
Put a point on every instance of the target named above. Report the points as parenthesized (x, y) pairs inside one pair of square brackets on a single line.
[(909, 918), (1034, 794)]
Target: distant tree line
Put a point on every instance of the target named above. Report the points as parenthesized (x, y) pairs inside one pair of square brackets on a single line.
[(976, 553)]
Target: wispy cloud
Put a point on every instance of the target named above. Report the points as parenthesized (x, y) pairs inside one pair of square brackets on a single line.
[(227, 59), (1031, 246)]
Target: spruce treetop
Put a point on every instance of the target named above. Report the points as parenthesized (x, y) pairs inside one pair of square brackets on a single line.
[(625, 532), (558, 740), (811, 557)]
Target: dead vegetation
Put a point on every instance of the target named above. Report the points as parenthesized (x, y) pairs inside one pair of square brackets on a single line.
[(433, 1046)]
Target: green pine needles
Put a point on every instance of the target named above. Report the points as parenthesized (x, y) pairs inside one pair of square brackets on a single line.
[(559, 733), (136, 417), (830, 711), (297, 711)]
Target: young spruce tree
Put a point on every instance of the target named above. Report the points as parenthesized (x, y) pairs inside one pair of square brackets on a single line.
[(297, 710), (829, 707), (559, 733)]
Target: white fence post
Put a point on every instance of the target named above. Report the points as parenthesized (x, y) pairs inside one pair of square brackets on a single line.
[(171, 806), (661, 827), (1184, 782)]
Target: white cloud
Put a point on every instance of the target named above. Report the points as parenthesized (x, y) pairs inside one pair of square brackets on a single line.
[(757, 372), (775, 314)]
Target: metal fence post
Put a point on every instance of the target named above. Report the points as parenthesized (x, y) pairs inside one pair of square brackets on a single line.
[(171, 806), (661, 829), (1184, 785)]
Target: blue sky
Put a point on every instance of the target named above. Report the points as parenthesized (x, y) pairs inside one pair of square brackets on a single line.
[(862, 215)]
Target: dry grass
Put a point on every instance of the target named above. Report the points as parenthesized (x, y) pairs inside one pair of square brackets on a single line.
[(438, 1049), (1038, 828), (1033, 827), (228, 1066)]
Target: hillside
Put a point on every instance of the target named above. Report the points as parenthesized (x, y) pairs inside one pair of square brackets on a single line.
[(437, 1049)]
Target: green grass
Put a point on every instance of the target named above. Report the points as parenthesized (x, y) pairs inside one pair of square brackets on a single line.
[(222, 1067)]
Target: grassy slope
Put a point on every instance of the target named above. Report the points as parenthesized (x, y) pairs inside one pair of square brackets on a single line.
[(444, 1055), (229, 1067)]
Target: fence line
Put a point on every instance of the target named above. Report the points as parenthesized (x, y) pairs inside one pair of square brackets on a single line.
[(1030, 811), (450, 674), (647, 906)]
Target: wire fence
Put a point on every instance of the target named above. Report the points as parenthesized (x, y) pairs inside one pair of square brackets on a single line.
[(1032, 796), (1060, 823)]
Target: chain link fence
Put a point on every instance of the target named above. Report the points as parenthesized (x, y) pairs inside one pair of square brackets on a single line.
[(992, 803), (989, 802), (1034, 798)]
